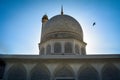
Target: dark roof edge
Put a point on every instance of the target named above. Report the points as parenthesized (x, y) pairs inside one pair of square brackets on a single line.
[(113, 56)]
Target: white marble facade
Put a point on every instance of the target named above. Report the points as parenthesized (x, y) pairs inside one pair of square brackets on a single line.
[(59, 68), (62, 56)]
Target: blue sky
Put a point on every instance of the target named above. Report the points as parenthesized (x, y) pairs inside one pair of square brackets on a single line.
[(20, 24)]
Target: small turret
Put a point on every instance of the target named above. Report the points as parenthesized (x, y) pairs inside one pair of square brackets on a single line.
[(44, 18)]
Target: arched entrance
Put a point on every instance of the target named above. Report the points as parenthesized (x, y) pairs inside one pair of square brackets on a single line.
[(110, 72), (40, 72), (64, 72), (17, 72), (87, 72)]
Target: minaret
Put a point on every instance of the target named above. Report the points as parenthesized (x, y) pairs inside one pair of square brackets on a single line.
[(44, 20), (61, 10)]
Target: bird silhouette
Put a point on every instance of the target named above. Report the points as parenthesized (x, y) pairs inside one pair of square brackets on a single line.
[(94, 24)]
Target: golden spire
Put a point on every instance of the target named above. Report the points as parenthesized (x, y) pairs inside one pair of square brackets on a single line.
[(61, 10)]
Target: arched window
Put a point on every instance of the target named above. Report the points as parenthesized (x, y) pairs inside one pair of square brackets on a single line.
[(48, 49), (17, 72), (42, 51), (110, 72), (83, 52), (68, 47), (2, 68), (87, 72), (57, 48), (40, 72), (77, 49), (64, 72)]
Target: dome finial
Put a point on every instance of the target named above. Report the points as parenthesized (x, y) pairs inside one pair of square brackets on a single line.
[(62, 10)]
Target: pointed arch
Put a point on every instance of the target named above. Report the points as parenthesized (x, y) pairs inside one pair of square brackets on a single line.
[(40, 72), (68, 47), (2, 68), (87, 72), (64, 70), (48, 49), (77, 51), (83, 51), (110, 72), (57, 47), (42, 51), (17, 72)]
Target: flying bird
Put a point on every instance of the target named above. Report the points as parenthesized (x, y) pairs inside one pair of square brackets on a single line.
[(94, 24)]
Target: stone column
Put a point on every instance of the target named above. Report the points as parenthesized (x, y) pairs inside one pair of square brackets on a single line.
[(45, 50), (73, 47), (28, 68), (80, 52), (8, 66), (27, 71), (52, 47), (63, 48), (98, 68)]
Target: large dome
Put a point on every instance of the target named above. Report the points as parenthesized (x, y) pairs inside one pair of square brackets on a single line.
[(61, 26)]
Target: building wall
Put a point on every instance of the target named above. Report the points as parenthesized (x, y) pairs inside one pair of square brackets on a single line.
[(58, 69), (74, 44)]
